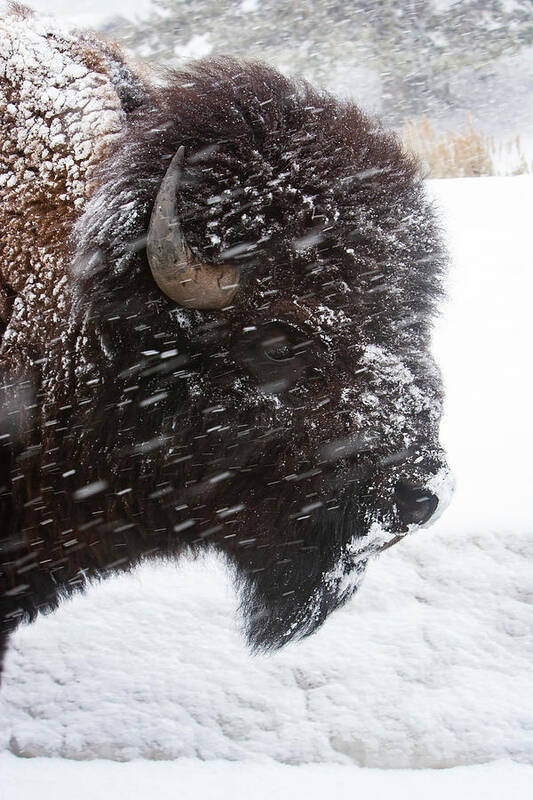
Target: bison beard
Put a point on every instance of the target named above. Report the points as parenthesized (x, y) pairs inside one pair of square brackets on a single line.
[(296, 430)]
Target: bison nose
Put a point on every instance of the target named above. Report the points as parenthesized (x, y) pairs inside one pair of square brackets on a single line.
[(415, 506)]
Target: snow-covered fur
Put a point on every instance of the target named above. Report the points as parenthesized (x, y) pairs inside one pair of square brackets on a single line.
[(276, 430)]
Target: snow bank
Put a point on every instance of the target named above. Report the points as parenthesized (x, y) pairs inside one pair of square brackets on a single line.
[(428, 667)]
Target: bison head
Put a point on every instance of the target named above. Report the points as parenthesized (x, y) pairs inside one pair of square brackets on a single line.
[(293, 425)]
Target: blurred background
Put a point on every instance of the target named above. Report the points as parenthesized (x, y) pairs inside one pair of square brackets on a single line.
[(454, 78)]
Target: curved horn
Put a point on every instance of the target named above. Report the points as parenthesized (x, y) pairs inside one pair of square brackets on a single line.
[(175, 269)]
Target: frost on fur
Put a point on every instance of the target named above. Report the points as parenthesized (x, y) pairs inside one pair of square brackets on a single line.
[(295, 430)]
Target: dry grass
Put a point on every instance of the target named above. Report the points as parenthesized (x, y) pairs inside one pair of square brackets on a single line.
[(467, 152)]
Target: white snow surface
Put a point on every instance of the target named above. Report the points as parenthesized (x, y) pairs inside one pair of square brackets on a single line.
[(429, 665), (188, 779)]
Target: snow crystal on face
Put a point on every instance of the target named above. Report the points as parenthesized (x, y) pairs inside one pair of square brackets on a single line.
[(347, 575), (186, 318), (442, 485), (327, 321), (388, 364), (394, 385), (330, 318)]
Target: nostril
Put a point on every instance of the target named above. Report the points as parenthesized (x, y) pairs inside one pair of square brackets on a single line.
[(415, 506)]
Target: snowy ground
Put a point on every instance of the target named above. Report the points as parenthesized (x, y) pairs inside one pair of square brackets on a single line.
[(48, 779), (428, 667)]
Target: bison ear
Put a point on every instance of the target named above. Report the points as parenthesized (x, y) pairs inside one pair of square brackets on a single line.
[(177, 272)]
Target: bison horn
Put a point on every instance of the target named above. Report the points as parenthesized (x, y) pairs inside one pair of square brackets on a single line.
[(175, 269)]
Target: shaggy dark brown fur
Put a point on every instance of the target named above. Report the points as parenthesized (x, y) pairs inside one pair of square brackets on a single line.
[(295, 431)]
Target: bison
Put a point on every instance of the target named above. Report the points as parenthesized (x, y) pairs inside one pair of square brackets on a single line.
[(216, 300)]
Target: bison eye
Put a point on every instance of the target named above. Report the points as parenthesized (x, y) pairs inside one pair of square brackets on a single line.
[(277, 354), (278, 349)]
